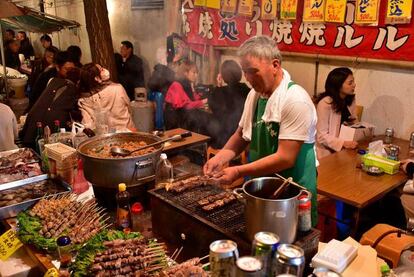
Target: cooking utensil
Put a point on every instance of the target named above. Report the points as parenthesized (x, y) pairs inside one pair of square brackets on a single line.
[(118, 151), (282, 188), (262, 213), (110, 171)]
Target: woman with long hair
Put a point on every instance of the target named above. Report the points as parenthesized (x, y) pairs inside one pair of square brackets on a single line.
[(99, 94), (181, 100), (335, 107)]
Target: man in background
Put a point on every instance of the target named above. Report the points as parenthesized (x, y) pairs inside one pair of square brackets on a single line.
[(12, 54), (26, 47), (130, 69)]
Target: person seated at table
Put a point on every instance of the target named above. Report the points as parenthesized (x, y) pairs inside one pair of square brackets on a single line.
[(8, 127), (76, 53), (226, 103), (98, 92), (182, 101), (335, 106), (62, 60), (57, 102), (407, 198), (26, 47), (46, 41), (12, 54)]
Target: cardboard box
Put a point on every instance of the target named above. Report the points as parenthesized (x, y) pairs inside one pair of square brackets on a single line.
[(356, 132)]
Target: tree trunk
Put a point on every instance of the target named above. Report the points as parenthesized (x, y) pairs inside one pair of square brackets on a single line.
[(99, 33)]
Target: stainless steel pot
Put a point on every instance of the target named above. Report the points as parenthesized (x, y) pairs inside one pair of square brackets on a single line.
[(109, 172), (279, 216)]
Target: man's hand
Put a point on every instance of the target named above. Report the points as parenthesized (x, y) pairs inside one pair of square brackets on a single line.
[(404, 163), (213, 166), (227, 175)]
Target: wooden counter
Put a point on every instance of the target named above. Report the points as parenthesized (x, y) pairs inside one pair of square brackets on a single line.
[(341, 178)]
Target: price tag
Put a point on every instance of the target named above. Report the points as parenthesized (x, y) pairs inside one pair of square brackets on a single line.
[(9, 243), (51, 272)]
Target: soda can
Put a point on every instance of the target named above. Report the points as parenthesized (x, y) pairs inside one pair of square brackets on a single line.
[(249, 266), (223, 256), (290, 259), (324, 272), (412, 140), (264, 248)]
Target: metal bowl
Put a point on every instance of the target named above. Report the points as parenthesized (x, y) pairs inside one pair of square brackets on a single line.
[(109, 172)]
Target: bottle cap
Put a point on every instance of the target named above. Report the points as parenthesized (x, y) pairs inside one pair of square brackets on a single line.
[(63, 241), (163, 156), (122, 187), (362, 151), (304, 202), (62, 130), (137, 208), (385, 268)]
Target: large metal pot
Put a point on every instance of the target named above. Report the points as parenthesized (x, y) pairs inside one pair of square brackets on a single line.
[(279, 216), (109, 172)]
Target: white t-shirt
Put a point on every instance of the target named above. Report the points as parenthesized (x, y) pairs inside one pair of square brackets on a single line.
[(8, 128), (292, 108)]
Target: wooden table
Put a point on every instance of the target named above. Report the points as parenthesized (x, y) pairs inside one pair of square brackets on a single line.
[(196, 140), (341, 178)]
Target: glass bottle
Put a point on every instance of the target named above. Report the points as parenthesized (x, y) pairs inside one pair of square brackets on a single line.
[(123, 210), (39, 135), (164, 174)]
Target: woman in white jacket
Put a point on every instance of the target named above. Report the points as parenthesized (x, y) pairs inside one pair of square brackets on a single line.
[(99, 94), (334, 107)]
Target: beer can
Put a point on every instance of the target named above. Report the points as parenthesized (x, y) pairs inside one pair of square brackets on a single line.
[(290, 259), (223, 256), (249, 266), (264, 248), (412, 140), (324, 272)]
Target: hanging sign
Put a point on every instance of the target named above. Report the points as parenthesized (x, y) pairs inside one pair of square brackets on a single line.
[(399, 11), (229, 6), (269, 9), (367, 11), (288, 9), (335, 11), (9, 243), (245, 7), (314, 11)]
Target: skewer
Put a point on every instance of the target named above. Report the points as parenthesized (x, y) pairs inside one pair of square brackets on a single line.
[(178, 253), (205, 257)]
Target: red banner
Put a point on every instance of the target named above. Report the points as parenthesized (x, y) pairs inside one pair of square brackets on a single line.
[(394, 42)]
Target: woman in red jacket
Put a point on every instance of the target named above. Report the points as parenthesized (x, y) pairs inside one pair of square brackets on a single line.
[(182, 102)]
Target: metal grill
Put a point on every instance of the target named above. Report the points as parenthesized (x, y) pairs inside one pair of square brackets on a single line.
[(229, 218)]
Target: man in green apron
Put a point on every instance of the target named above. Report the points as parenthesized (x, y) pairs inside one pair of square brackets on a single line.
[(278, 122)]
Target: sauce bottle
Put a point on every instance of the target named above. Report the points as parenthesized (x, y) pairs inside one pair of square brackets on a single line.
[(123, 210)]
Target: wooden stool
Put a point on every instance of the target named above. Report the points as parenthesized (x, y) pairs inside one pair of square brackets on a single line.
[(211, 152), (391, 246)]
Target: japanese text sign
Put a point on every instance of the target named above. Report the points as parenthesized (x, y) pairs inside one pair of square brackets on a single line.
[(393, 42), (288, 9), (245, 7), (335, 11), (229, 6), (314, 10), (9, 243), (269, 9), (366, 11), (399, 11)]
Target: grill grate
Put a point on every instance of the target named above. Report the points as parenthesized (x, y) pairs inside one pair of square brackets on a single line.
[(230, 217)]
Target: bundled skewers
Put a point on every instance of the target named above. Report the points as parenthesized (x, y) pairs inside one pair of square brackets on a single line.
[(114, 253), (189, 183), (60, 215), (192, 267)]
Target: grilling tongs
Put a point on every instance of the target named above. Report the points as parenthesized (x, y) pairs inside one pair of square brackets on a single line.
[(118, 151)]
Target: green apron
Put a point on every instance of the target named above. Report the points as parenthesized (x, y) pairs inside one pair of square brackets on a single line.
[(265, 141)]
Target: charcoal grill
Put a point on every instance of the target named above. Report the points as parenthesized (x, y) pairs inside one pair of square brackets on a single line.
[(179, 220)]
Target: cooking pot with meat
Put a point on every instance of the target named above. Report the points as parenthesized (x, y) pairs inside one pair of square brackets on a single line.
[(103, 169)]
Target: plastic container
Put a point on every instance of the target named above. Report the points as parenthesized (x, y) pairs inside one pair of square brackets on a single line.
[(80, 184), (123, 210), (164, 174), (137, 216), (387, 165)]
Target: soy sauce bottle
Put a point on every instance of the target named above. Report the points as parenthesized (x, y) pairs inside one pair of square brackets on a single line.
[(123, 210)]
